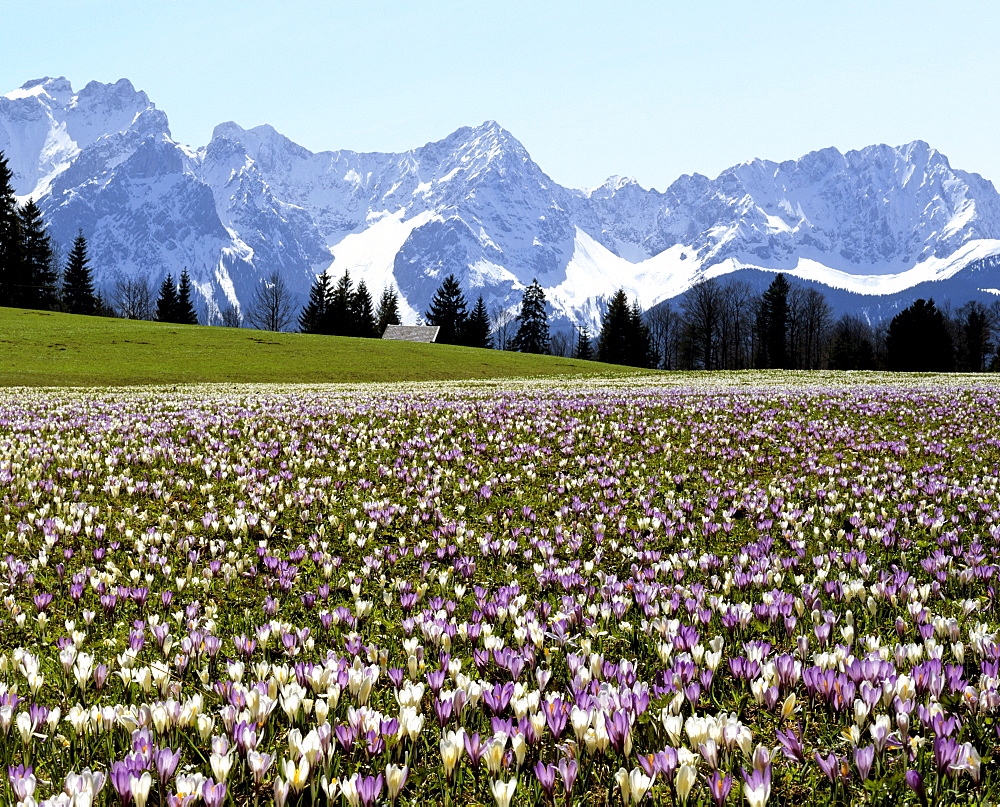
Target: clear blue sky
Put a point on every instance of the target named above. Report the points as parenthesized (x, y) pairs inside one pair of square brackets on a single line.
[(645, 89)]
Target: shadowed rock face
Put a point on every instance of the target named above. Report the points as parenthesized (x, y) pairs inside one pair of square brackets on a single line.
[(251, 203)]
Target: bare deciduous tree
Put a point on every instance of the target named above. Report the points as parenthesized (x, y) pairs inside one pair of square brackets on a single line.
[(231, 317), (808, 328), (738, 315), (666, 332), (132, 299), (703, 312), (503, 324), (272, 308), (561, 343)]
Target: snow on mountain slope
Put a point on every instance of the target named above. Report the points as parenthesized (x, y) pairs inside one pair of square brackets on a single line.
[(370, 255), (44, 125), (250, 203), (594, 268), (931, 269)]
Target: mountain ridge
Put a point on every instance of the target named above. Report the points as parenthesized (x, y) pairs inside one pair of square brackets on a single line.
[(874, 221)]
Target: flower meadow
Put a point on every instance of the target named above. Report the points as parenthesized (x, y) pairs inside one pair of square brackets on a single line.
[(582, 593)]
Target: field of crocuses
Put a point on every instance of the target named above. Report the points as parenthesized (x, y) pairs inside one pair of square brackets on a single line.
[(582, 594)]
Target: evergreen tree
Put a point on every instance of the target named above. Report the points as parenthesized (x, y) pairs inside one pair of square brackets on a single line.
[(338, 309), (584, 347), (613, 342), (773, 324), (362, 312), (313, 318), (78, 287), (166, 303), (533, 323), (39, 260), (476, 332), (918, 340), (186, 314), (11, 263), (641, 352), (388, 310), (625, 337), (448, 311)]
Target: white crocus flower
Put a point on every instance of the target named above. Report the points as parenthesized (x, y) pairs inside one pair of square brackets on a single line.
[(684, 780), (503, 792), (140, 788), (638, 784)]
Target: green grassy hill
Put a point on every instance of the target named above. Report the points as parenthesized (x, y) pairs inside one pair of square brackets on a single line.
[(40, 348)]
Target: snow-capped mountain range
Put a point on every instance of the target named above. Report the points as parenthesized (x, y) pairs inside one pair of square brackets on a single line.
[(879, 222)]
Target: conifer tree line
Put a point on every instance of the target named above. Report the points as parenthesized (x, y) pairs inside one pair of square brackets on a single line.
[(720, 325), (174, 303), (458, 325), (30, 276), (346, 309)]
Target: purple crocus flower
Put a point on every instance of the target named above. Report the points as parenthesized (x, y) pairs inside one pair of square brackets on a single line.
[(693, 692), (863, 759), (101, 672), (556, 714), (370, 788), (832, 766), (666, 762), (435, 680), (42, 600), (214, 794), (915, 782), (546, 775), (568, 768), (443, 709), (474, 748), (757, 785), (618, 728), (345, 736), (743, 668), (791, 745), (719, 787), (121, 781), (374, 743), (38, 714), (946, 753), (245, 735), (648, 764), (22, 781), (142, 743), (498, 698), (165, 760)]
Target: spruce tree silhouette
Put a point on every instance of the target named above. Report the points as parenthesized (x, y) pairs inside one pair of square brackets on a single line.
[(918, 340)]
